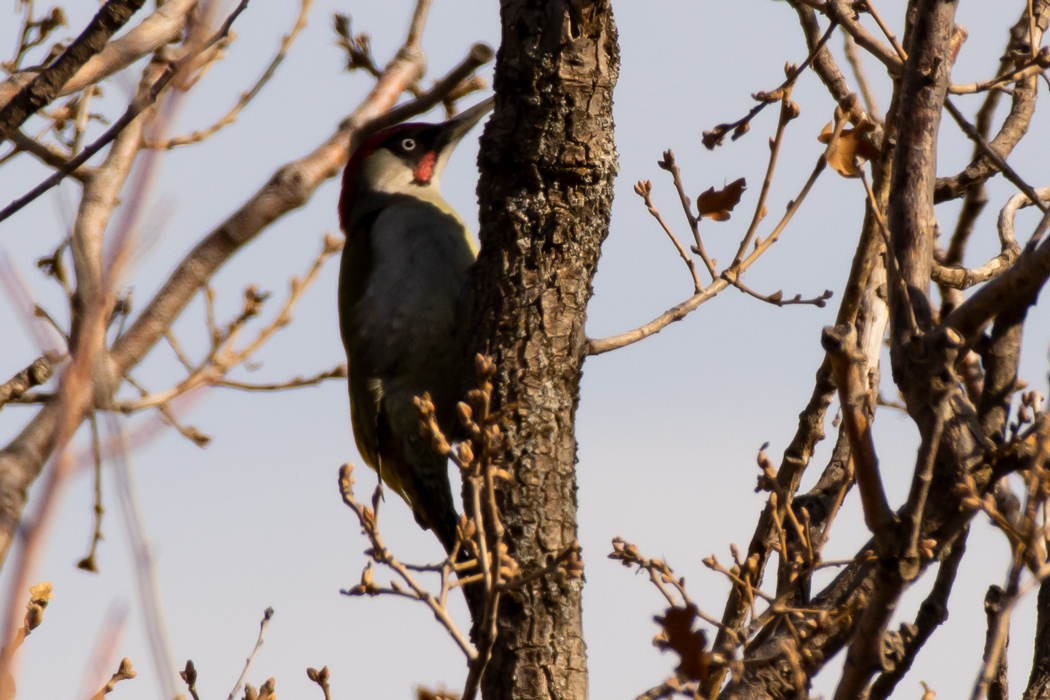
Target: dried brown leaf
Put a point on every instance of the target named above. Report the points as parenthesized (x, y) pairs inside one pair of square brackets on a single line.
[(850, 146), (679, 636), (717, 204)]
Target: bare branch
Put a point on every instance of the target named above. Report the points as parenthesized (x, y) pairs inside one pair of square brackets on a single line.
[(143, 100), (644, 190), (963, 278), (1016, 124), (286, 43), (88, 563), (777, 297), (338, 372), (123, 673), (932, 613), (856, 63), (870, 9), (35, 374), (677, 313), (380, 553), (788, 111), (147, 579), (1019, 284), (48, 154), (716, 136), (224, 354), (992, 680), (1008, 172), (1039, 63), (97, 205), (846, 361), (263, 624), (163, 26), (825, 67), (839, 11), (45, 86), (479, 55), (668, 163)]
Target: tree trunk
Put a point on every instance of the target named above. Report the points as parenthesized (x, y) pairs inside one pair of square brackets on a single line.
[(547, 164), (1039, 679)]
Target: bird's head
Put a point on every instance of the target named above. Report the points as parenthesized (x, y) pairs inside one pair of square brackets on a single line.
[(404, 159)]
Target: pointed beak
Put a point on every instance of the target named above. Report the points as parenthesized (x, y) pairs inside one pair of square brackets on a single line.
[(456, 128)]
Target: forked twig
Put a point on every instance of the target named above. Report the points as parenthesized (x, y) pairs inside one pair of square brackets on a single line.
[(644, 189), (263, 624), (200, 135)]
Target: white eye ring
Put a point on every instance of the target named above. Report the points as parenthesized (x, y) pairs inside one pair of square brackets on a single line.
[(408, 144)]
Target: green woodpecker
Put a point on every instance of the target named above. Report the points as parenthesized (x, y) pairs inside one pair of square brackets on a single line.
[(403, 272)]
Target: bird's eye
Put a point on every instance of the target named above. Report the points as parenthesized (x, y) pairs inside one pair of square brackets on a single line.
[(408, 144)]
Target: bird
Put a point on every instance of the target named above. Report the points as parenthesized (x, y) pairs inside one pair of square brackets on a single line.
[(402, 277)]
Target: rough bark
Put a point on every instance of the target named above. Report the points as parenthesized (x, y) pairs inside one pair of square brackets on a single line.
[(910, 215), (45, 87), (1039, 680), (1015, 126), (547, 165)]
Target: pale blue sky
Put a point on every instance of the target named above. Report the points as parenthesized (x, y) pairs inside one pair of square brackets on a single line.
[(667, 429)]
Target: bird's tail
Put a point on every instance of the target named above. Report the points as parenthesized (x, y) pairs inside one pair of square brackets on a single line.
[(438, 513)]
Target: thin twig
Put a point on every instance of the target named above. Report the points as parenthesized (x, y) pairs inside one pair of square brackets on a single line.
[(788, 111), (338, 372), (870, 9), (263, 624), (716, 136), (856, 63), (381, 554), (644, 189), (47, 154), (661, 575), (147, 580), (124, 672), (680, 311), (1008, 172), (911, 513), (479, 55), (200, 135), (668, 163), (777, 297), (224, 355), (88, 563), (173, 343), (1036, 66), (761, 246)]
